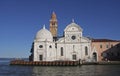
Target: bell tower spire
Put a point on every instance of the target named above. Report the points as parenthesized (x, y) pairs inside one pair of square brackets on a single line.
[(53, 25)]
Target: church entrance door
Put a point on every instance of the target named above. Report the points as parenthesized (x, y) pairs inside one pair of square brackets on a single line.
[(74, 57), (95, 56)]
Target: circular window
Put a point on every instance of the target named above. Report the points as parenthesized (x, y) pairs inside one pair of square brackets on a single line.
[(50, 46), (73, 37), (41, 46)]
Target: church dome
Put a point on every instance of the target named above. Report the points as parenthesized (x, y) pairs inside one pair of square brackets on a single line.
[(44, 35), (73, 27)]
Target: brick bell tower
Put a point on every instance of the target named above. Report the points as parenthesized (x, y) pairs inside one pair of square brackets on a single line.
[(53, 26)]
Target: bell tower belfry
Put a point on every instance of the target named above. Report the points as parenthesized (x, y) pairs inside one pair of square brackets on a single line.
[(53, 25)]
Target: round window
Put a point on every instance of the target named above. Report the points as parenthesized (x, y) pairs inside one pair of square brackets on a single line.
[(50, 46), (73, 37), (41, 46)]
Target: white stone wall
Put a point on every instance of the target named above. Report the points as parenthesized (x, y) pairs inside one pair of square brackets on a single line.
[(49, 53), (70, 46), (73, 48)]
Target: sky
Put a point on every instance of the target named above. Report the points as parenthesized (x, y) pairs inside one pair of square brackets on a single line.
[(20, 20)]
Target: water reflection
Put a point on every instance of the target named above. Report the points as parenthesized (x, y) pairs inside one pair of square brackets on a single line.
[(55, 71), (90, 70), (84, 70)]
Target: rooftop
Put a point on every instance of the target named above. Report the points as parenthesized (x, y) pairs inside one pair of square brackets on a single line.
[(104, 40)]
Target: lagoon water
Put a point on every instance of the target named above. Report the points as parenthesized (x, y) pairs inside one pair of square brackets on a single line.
[(84, 70)]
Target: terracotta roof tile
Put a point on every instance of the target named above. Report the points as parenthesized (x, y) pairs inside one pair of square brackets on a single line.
[(104, 40)]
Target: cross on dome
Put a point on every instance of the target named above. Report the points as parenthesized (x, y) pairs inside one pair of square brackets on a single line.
[(44, 26), (73, 21)]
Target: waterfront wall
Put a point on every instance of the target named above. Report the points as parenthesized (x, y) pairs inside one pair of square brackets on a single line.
[(44, 63)]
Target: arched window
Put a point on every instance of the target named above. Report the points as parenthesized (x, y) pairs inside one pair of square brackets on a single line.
[(101, 46), (107, 46), (86, 50), (40, 57), (61, 51)]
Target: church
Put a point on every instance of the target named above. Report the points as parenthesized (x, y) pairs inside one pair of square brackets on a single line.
[(72, 46)]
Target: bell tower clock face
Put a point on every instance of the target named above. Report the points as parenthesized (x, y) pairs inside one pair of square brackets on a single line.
[(73, 37)]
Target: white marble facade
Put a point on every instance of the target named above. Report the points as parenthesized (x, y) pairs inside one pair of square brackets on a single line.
[(71, 47)]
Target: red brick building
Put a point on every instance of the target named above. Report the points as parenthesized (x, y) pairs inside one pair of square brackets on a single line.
[(105, 49)]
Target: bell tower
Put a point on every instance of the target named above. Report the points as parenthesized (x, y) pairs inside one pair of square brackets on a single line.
[(53, 25)]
